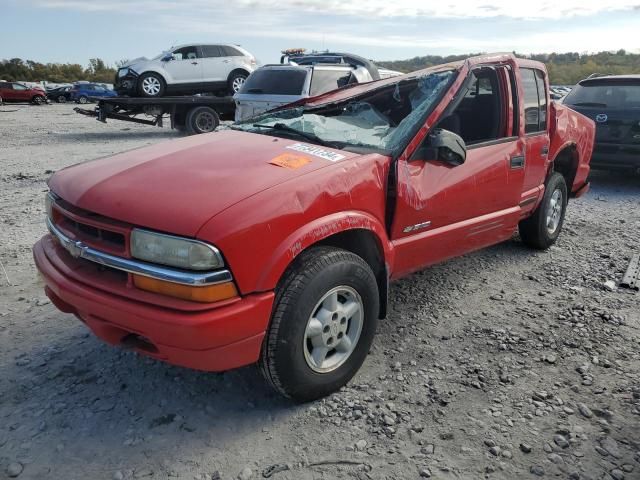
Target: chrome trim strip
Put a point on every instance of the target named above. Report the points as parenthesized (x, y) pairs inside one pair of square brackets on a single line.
[(78, 249)]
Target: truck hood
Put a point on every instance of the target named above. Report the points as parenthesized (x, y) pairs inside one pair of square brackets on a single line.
[(176, 186)]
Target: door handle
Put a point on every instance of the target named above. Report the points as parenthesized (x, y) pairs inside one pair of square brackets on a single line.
[(194, 63), (545, 150), (516, 162)]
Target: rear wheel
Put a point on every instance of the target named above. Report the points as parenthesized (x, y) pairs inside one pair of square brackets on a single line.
[(61, 99), (542, 229), (83, 99), (202, 120), (323, 324), (151, 85), (236, 81)]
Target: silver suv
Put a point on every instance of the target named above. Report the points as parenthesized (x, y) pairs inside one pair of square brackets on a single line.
[(187, 69), (272, 86)]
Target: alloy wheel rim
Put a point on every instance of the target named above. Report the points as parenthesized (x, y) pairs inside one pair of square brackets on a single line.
[(333, 329), (237, 84), (151, 86), (554, 212), (205, 122)]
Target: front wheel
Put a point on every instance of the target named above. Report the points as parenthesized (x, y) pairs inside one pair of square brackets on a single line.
[(542, 229), (61, 99), (38, 100), (323, 324), (151, 85)]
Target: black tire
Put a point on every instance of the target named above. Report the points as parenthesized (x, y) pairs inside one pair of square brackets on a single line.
[(236, 80), (61, 99), (314, 274), (151, 85), (534, 230), (38, 100), (202, 120), (83, 99)]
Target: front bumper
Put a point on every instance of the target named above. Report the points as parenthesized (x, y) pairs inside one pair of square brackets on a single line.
[(127, 84), (215, 339)]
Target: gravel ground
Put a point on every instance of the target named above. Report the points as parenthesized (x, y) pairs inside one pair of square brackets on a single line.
[(503, 364)]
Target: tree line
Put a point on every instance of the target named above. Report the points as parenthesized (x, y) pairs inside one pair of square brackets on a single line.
[(16, 69), (563, 68)]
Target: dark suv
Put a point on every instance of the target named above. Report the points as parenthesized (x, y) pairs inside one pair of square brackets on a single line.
[(613, 102)]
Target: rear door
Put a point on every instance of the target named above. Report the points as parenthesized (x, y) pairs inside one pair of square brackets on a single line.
[(6, 92), (536, 135), (215, 65), (186, 67)]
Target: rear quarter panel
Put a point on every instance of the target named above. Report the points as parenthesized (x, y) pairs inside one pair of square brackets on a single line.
[(261, 235), (572, 129)]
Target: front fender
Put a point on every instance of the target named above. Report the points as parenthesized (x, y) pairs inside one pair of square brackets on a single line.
[(313, 233)]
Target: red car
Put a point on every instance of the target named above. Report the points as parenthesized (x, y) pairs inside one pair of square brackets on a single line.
[(275, 242), (17, 92)]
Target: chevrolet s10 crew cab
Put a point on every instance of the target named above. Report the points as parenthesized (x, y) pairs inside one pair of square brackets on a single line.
[(275, 241)]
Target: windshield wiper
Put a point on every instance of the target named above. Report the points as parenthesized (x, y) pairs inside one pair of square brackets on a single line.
[(286, 128), (588, 104)]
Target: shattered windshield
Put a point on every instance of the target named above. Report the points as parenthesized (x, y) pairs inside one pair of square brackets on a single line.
[(382, 119)]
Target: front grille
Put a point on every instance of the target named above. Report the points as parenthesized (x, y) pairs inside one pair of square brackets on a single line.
[(94, 230)]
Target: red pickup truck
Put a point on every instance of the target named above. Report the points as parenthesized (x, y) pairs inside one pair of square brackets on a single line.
[(275, 241)]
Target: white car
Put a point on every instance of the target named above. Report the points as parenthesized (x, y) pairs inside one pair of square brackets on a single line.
[(187, 70), (272, 86)]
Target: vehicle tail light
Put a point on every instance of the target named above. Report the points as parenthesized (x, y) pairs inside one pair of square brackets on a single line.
[(205, 294)]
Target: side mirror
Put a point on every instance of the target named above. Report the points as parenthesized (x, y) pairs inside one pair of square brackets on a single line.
[(168, 57), (445, 146)]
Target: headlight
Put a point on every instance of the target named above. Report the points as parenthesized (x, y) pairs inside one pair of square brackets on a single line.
[(122, 72), (174, 251), (48, 205)]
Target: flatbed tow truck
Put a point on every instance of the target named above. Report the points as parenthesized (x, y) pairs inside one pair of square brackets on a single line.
[(193, 114)]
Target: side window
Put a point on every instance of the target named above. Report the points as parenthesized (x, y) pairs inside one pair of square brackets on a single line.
[(211, 51), (228, 51), (478, 116), (542, 96), (531, 102), (324, 81), (17, 86), (186, 53)]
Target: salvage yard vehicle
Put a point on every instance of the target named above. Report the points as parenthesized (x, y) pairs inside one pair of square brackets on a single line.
[(187, 70), (60, 94), (272, 86), (87, 92), (17, 92), (613, 101), (193, 114), (275, 241)]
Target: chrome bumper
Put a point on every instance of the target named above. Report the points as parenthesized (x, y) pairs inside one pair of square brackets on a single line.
[(78, 249)]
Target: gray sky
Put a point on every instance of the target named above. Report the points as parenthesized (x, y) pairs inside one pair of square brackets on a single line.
[(76, 30)]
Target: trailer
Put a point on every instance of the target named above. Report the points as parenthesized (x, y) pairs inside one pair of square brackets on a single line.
[(194, 114)]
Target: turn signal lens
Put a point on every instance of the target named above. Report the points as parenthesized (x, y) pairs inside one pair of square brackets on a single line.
[(205, 294)]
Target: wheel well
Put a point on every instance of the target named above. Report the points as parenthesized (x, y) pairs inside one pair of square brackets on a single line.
[(151, 72), (237, 70), (566, 164), (365, 244)]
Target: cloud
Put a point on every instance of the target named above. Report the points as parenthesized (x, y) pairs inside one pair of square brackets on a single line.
[(541, 9)]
